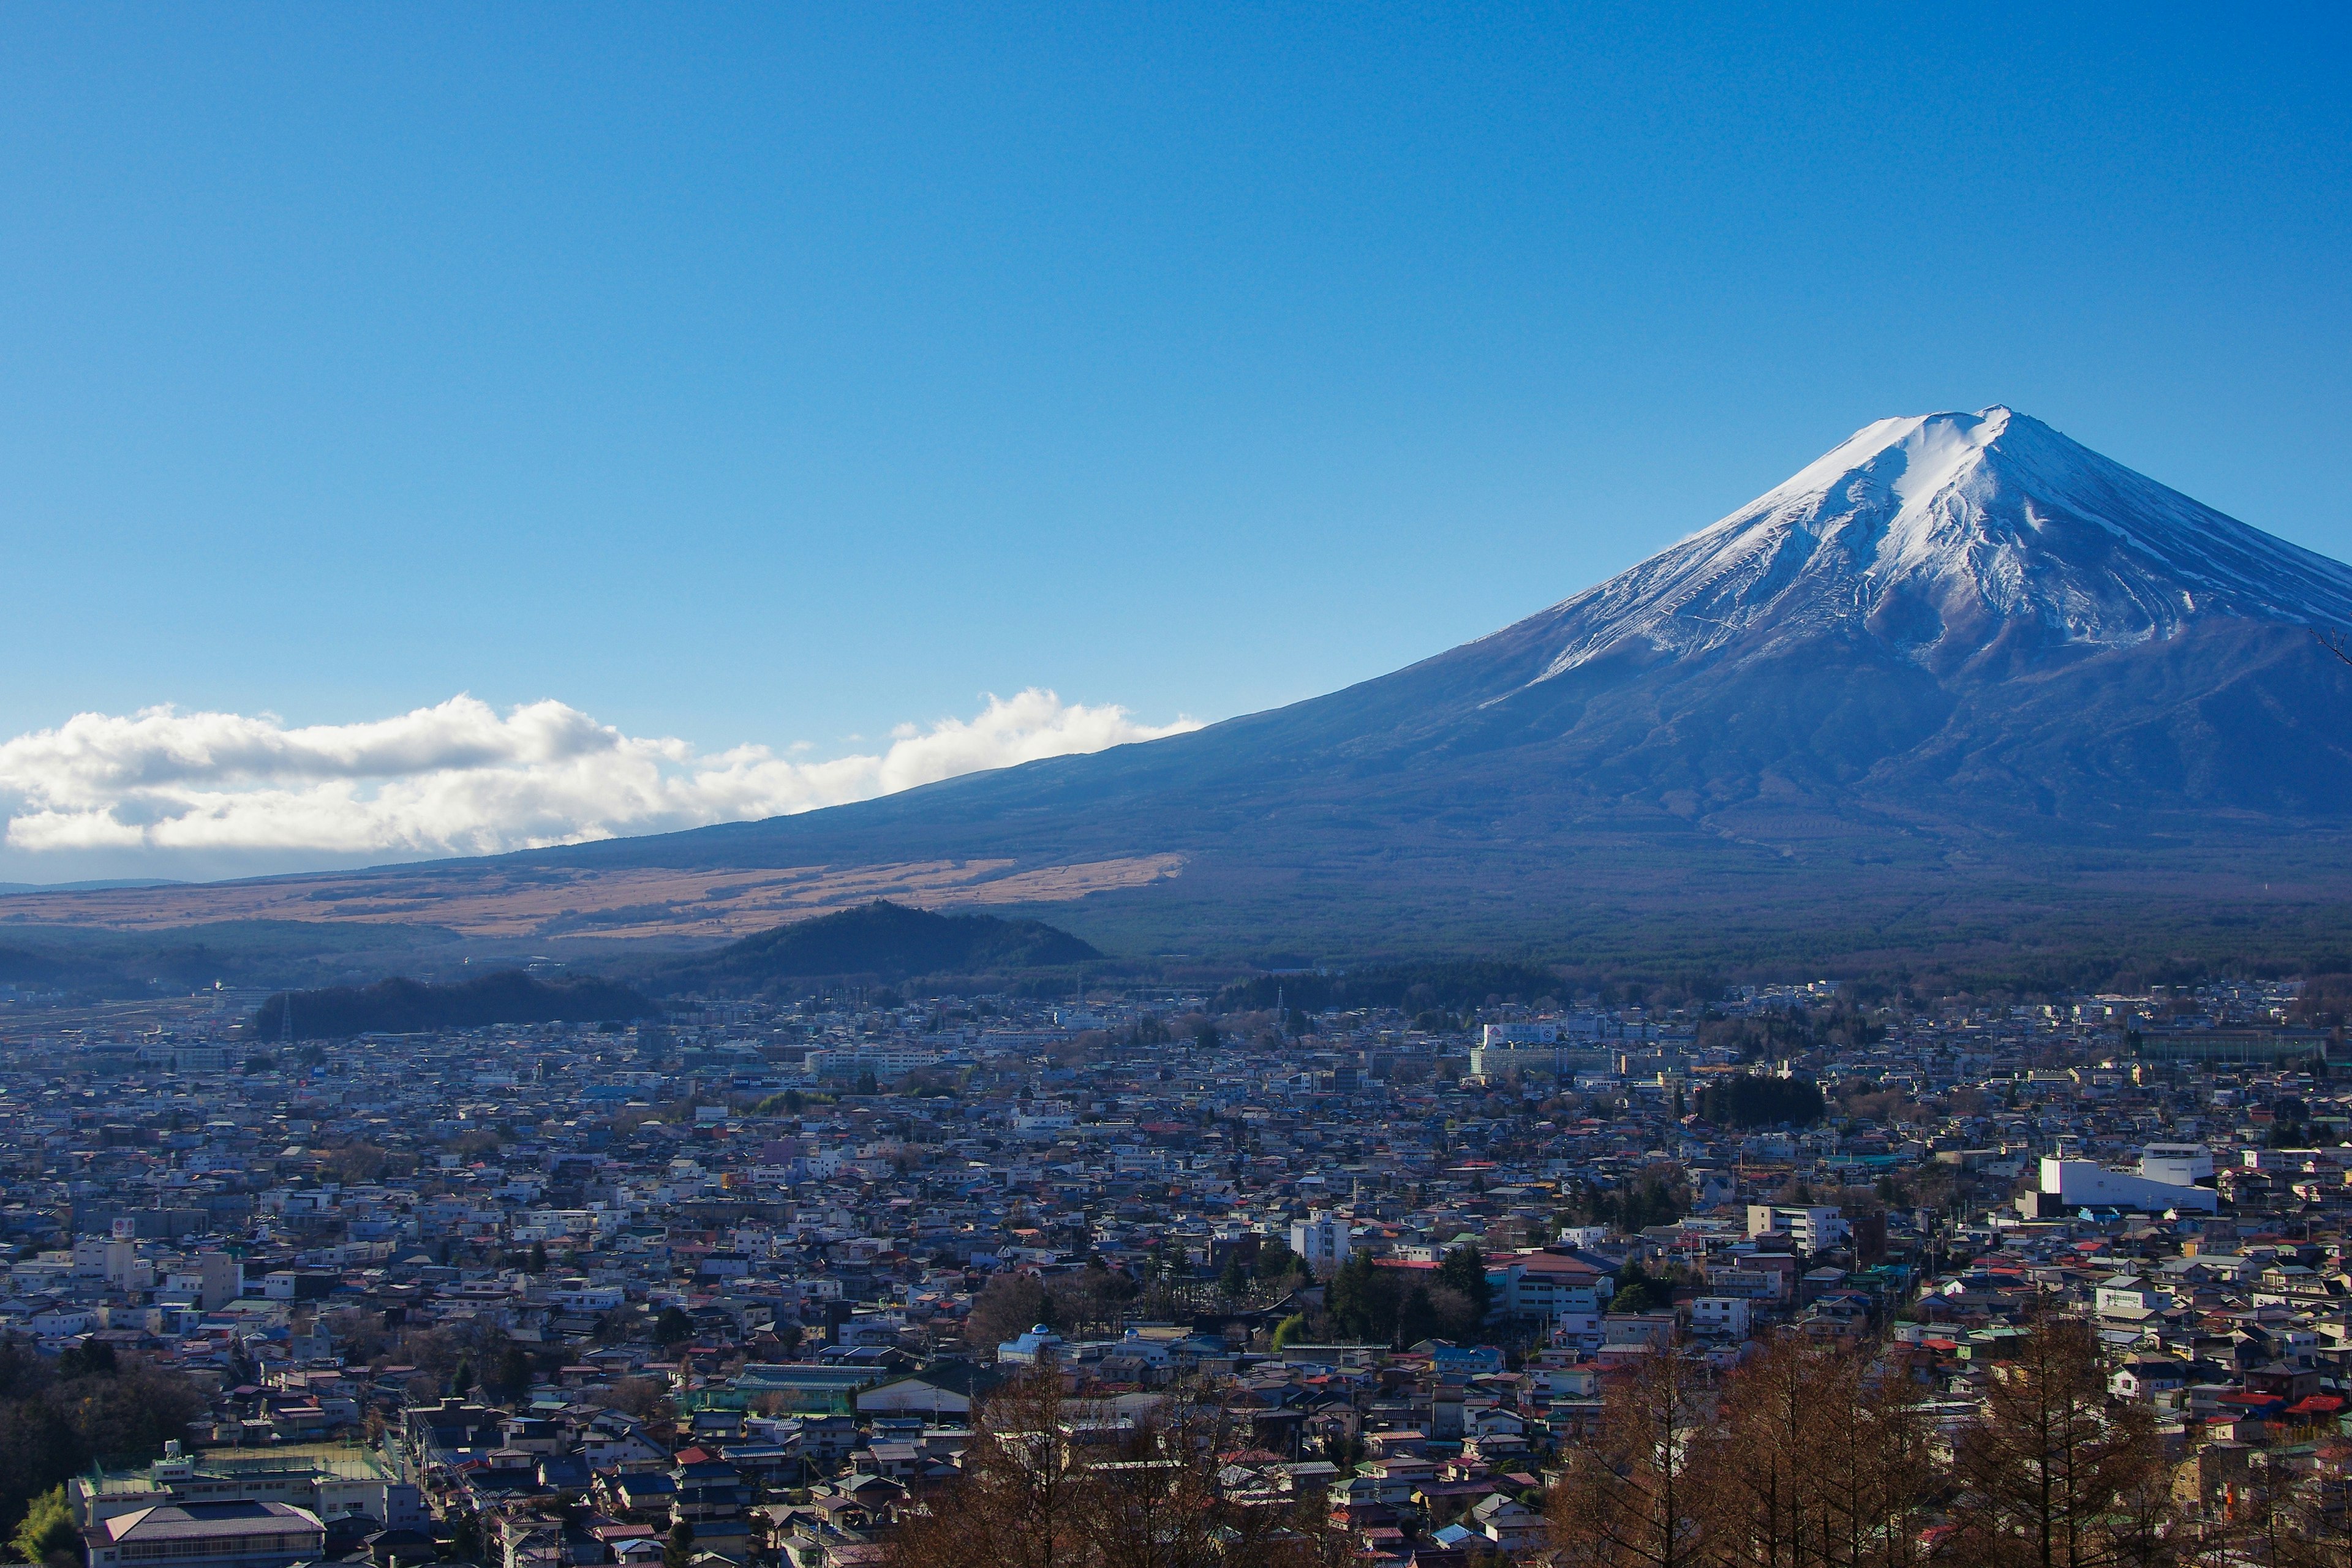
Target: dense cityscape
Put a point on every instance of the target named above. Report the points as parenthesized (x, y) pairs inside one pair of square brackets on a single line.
[(743, 1285)]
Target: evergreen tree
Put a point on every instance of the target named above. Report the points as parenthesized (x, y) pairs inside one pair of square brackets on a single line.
[(47, 1532), (1464, 1269)]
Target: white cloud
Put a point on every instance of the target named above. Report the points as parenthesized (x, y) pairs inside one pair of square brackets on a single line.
[(461, 779)]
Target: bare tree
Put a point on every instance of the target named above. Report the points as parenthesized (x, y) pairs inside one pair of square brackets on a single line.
[(2052, 1458), (1050, 1481), (1629, 1497)]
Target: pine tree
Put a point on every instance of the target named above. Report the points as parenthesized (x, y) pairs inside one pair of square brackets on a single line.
[(1464, 1269)]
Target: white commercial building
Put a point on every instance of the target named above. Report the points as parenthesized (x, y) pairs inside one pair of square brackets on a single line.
[(2176, 1164), (1810, 1228), (1321, 1239), (2087, 1185), (1039, 1345)]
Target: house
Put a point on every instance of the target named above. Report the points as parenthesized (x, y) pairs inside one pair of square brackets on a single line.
[(1509, 1523), (206, 1535)]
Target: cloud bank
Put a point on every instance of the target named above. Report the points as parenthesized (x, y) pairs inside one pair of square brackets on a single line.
[(462, 779)]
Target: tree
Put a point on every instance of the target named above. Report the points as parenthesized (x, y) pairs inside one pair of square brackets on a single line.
[(673, 1327), (1639, 1290), (513, 1374), (1362, 1299), (2053, 1455), (1094, 1298), (1416, 1316), (1233, 1282), (538, 1264), (1016, 1505), (92, 1358), (1629, 1497), (47, 1533), (1819, 1460), (1275, 1262), (1465, 1270), (1291, 1331), (1048, 1483), (678, 1549), (1010, 1303), (645, 1397), (1749, 1099)]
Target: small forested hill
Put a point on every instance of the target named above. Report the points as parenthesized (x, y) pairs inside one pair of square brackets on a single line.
[(399, 1006), (881, 939)]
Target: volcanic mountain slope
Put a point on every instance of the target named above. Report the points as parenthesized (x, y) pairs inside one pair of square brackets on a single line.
[(1959, 677), (1962, 625)]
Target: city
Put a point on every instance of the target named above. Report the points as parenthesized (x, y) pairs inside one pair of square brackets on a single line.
[(739, 1285), (1556, 785)]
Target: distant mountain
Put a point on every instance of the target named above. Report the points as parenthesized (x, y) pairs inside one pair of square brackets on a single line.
[(400, 1006), (1959, 657), (880, 940), (1960, 687)]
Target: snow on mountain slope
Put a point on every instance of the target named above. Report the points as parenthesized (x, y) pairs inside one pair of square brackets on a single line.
[(1939, 535)]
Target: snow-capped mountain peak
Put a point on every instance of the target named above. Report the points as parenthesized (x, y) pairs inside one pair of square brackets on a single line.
[(1940, 534)]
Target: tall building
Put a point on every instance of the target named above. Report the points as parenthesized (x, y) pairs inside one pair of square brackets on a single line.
[(1321, 1239)]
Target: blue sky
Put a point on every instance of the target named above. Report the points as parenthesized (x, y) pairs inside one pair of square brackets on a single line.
[(775, 375)]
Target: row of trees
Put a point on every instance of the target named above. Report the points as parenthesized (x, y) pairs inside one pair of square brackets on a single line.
[(1656, 1197), (1396, 1306), (1013, 1300), (1752, 1100), (57, 1417), (1810, 1455), (1049, 1482)]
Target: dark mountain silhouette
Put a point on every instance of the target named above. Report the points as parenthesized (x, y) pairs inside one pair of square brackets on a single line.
[(399, 1006), (881, 939)]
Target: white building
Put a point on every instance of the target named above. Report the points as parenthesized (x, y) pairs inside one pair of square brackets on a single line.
[(2176, 1164), (2084, 1183), (1809, 1229), (1322, 1239), (1722, 1315), (1039, 1344)]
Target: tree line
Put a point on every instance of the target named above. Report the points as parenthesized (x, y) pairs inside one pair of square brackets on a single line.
[(1050, 1481), (60, 1416), (1811, 1454), (1368, 1303), (399, 1006)]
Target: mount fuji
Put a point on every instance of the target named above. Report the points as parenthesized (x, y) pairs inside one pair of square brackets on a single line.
[(1958, 659), (1960, 685)]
